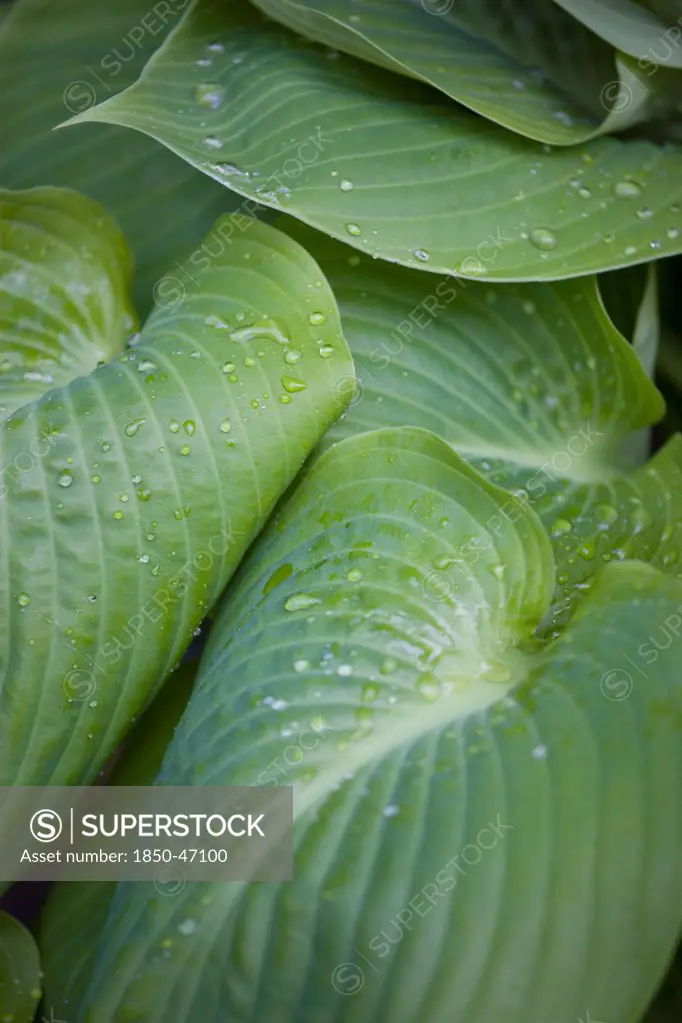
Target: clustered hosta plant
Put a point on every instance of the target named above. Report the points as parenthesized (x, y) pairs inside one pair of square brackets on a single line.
[(361, 299)]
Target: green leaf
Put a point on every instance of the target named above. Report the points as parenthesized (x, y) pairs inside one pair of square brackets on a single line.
[(74, 917), (455, 761), (531, 383), (631, 299), (20, 976), (510, 372), (538, 71), (59, 56), (132, 494), (367, 157), (630, 27), (64, 280)]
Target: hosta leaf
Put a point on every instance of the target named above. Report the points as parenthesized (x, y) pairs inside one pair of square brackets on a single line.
[(133, 492), (378, 165), (630, 27), (75, 915), (631, 300), (535, 386), (454, 761), (532, 68), (20, 976), (59, 56), (64, 281)]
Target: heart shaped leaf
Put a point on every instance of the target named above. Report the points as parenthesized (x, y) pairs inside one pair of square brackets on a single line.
[(131, 494), (367, 157), (465, 781), (529, 67), (534, 386)]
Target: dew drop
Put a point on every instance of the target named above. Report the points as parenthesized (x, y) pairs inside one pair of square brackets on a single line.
[(542, 238), (187, 927), (560, 527), (354, 576), (300, 602), (189, 427), (317, 319), (185, 449), (118, 515), (422, 255), (271, 701), (369, 692), (607, 515), (212, 142), (232, 170), (132, 428), (584, 193), (388, 666), (428, 687), (540, 752), (391, 810), (640, 519), (345, 185), (292, 384), (644, 213), (174, 426), (228, 367), (225, 426), (326, 351), (293, 356), (209, 96), (672, 233), (302, 665), (23, 599), (353, 229), (146, 366), (65, 478), (627, 190)]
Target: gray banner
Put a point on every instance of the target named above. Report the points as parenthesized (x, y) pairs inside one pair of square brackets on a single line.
[(155, 833)]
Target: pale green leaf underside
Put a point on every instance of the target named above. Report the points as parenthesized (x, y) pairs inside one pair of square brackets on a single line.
[(415, 756), (56, 58), (367, 157), (20, 976), (133, 493), (630, 27), (531, 68), (64, 292)]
